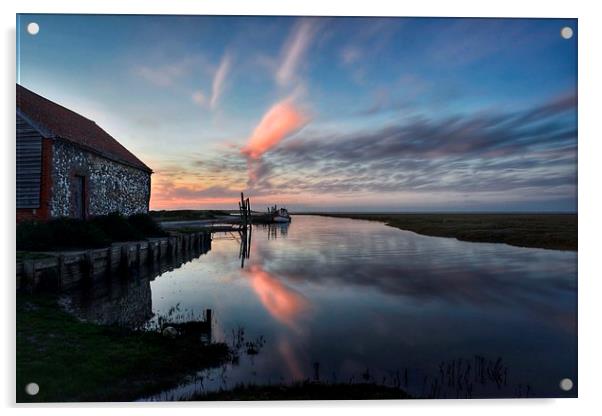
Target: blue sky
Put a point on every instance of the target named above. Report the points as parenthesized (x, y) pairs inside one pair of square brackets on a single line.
[(324, 113)]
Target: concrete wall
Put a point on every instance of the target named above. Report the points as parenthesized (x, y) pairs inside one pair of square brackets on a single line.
[(110, 186)]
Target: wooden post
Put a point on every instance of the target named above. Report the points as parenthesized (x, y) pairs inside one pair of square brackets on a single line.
[(169, 248), (138, 255), (109, 269), (124, 262), (29, 272), (89, 262), (243, 210), (150, 252), (61, 268)]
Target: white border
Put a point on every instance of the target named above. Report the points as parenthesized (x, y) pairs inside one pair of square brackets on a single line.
[(590, 209)]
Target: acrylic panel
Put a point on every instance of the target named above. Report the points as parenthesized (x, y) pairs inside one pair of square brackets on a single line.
[(295, 208)]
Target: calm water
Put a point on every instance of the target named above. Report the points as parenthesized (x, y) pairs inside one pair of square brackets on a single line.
[(352, 301)]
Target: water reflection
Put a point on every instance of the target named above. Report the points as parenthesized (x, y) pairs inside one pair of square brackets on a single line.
[(282, 302), (115, 302), (125, 299), (355, 300), (277, 230)]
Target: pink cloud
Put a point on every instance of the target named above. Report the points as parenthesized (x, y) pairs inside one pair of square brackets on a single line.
[(282, 120)]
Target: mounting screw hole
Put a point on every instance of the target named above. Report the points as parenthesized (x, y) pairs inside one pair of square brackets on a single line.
[(566, 32), (566, 384), (32, 389), (33, 28)]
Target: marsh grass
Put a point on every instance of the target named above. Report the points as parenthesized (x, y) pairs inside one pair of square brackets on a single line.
[(73, 360), (306, 390), (549, 231)]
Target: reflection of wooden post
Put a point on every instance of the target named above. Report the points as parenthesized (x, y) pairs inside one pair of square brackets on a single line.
[(245, 228), (248, 253)]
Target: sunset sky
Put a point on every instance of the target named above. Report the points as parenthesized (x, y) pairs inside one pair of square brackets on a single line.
[(351, 114)]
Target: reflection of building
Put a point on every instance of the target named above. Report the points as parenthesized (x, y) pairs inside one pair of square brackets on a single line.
[(68, 166), (122, 302), (125, 298)]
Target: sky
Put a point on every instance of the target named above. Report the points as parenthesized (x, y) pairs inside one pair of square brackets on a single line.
[(324, 114)]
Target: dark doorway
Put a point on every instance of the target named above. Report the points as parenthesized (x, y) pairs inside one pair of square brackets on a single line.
[(79, 196)]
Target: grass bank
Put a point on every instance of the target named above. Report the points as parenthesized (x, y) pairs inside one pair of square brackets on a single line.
[(77, 361), (188, 214), (550, 231), (71, 233), (308, 391)]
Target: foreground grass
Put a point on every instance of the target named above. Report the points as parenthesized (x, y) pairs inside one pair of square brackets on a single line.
[(308, 391), (550, 231), (77, 361)]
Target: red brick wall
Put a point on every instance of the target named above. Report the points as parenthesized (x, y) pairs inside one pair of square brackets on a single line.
[(43, 212)]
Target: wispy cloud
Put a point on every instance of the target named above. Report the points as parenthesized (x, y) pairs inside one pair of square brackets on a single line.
[(165, 75), (179, 73), (477, 39), (219, 80), (350, 55), (294, 51), (527, 150), (363, 46), (199, 98), (218, 85)]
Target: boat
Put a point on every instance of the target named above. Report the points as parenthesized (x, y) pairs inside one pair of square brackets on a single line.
[(279, 214)]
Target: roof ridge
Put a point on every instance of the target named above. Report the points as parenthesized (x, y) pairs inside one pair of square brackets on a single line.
[(69, 125), (21, 87)]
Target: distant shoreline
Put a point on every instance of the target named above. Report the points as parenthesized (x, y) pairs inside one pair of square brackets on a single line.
[(547, 230), (553, 231)]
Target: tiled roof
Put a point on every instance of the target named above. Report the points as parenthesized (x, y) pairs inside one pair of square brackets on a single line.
[(63, 123)]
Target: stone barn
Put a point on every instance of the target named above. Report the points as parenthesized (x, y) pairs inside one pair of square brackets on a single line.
[(67, 166)]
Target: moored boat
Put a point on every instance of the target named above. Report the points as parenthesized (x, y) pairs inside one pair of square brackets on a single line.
[(279, 214)]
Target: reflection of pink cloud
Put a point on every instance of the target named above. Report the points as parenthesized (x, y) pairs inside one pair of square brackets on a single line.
[(282, 120), (282, 302), (286, 350)]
